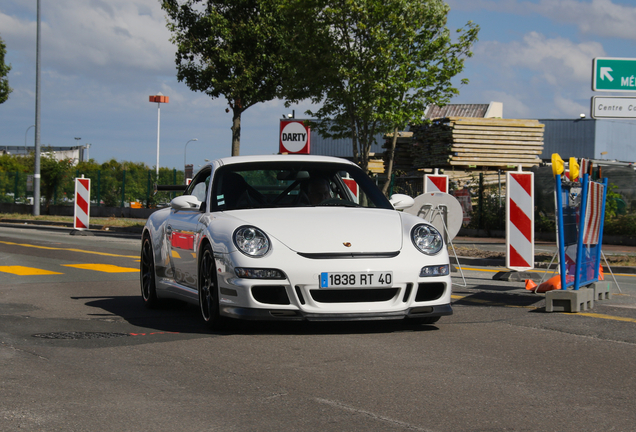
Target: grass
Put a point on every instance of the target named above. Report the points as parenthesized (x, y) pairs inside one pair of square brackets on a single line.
[(109, 222)]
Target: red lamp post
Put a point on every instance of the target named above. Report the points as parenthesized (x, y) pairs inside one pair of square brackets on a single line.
[(159, 99)]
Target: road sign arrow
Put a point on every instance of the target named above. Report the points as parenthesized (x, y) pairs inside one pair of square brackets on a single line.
[(605, 73)]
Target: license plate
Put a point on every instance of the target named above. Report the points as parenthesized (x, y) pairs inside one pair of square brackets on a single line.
[(356, 279)]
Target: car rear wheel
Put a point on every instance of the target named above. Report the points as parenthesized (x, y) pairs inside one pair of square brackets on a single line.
[(208, 291), (147, 274)]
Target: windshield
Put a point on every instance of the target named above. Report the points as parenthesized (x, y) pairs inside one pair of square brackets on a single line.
[(294, 184)]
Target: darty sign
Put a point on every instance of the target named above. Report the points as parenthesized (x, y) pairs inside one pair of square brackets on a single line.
[(294, 137)]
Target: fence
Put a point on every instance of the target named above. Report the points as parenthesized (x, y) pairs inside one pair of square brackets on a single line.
[(487, 193), (117, 188)]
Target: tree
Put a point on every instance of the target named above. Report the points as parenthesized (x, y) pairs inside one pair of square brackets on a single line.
[(382, 62), (56, 174), (4, 71), (230, 48)]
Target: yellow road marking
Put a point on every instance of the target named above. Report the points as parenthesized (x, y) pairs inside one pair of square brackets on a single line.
[(106, 268), (26, 271), (482, 269), (175, 254), (609, 317), (69, 249)]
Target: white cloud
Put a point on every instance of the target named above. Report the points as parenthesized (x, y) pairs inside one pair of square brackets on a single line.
[(118, 35), (598, 17), (604, 18), (513, 106), (559, 61), (568, 108), (102, 39)]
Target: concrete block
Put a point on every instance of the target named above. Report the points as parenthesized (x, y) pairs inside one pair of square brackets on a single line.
[(601, 291), (569, 300)]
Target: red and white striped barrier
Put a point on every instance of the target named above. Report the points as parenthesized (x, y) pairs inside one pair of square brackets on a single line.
[(585, 168), (353, 187), (520, 220), (435, 183), (593, 210), (82, 203)]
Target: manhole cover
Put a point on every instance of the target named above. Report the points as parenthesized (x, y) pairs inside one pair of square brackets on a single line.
[(80, 335)]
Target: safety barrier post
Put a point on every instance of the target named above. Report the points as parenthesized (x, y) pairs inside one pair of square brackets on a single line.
[(82, 203)]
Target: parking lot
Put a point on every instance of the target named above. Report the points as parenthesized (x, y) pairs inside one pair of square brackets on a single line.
[(78, 351)]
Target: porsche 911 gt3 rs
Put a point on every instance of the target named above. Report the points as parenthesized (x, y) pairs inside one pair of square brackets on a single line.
[(294, 237)]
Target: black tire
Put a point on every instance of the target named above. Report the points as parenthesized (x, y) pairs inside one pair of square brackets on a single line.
[(208, 290), (147, 275)]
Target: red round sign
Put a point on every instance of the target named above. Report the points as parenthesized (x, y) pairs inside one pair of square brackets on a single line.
[(294, 137)]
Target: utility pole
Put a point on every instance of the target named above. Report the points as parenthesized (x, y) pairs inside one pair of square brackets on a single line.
[(36, 174)]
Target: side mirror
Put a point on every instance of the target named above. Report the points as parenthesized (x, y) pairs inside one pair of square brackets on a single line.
[(185, 202), (401, 201)]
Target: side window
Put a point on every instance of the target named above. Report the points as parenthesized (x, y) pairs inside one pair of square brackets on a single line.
[(199, 185)]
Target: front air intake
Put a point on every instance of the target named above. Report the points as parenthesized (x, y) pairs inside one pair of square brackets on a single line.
[(430, 291), (270, 294), (353, 295)]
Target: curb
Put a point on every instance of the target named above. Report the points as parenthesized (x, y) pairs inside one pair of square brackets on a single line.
[(92, 229)]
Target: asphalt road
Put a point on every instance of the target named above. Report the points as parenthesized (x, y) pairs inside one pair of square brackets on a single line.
[(79, 352)]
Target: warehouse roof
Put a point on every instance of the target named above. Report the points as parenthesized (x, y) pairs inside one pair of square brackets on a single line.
[(493, 109)]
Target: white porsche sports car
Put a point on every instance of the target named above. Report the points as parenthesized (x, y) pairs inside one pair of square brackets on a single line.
[(294, 237)]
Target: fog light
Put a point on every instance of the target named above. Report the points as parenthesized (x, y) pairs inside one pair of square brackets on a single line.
[(258, 273), (438, 270)]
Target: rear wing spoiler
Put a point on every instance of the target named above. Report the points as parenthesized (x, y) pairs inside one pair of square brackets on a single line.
[(171, 188)]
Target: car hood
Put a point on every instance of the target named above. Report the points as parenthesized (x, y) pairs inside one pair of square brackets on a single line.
[(329, 229)]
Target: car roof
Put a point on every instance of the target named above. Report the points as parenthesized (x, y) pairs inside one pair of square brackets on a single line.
[(281, 157)]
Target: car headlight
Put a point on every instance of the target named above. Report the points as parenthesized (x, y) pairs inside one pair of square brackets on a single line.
[(251, 241), (436, 270), (427, 239)]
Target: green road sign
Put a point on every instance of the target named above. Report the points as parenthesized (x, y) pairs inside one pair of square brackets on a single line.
[(614, 74)]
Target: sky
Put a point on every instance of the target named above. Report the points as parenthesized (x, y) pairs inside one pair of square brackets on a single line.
[(102, 59)]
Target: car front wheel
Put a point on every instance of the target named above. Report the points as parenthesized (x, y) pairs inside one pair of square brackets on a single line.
[(208, 292)]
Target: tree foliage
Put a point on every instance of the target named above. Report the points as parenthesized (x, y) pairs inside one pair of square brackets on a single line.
[(378, 64), (4, 71), (113, 183), (230, 48)]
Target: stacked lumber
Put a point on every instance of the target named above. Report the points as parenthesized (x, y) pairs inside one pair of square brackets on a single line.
[(376, 166), (475, 143), (402, 158)]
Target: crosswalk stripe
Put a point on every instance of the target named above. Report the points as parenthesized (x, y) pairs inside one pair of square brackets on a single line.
[(69, 249), (106, 268), (26, 271)]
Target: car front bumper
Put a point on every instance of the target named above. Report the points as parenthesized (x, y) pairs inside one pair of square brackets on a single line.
[(299, 315)]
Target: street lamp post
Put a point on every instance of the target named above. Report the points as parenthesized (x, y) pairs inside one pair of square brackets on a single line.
[(36, 162), (184, 152), (159, 99)]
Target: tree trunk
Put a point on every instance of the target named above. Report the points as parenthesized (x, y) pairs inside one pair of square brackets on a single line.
[(236, 130), (354, 142), (385, 188)]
